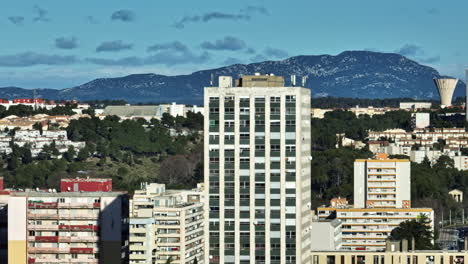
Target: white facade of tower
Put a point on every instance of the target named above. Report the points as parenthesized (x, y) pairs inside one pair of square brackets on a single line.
[(446, 87), (382, 183), (257, 174)]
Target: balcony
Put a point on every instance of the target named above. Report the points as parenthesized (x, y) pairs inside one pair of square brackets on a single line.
[(78, 228), (43, 216), (81, 250), (79, 205), (47, 239), (38, 250), (42, 205), (43, 227)]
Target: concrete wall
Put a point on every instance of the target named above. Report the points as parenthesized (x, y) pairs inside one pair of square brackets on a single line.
[(17, 237)]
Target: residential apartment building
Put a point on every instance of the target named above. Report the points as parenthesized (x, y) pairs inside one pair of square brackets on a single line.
[(166, 225), (368, 228), (382, 183), (83, 227), (382, 200), (257, 171)]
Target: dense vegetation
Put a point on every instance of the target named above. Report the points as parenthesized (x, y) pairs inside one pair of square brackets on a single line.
[(128, 151)]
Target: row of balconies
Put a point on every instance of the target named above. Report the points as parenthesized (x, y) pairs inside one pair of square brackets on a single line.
[(63, 216), (54, 205), (64, 239), (54, 250)]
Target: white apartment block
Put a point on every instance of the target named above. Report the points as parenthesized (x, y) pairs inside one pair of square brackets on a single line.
[(166, 225), (48, 227), (382, 183), (368, 228), (257, 171)]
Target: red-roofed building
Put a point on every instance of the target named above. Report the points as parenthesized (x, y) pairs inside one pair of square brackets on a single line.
[(85, 185)]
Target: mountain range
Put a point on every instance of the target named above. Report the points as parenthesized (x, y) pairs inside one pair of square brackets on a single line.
[(355, 74)]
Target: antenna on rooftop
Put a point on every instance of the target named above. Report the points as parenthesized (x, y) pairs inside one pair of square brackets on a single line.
[(304, 80), (293, 80)]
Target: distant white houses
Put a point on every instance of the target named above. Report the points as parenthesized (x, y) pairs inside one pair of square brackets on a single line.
[(38, 141)]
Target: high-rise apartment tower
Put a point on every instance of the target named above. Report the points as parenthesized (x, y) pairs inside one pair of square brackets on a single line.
[(257, 171)]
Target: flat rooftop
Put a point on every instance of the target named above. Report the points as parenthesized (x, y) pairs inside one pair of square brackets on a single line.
[(67, 194)]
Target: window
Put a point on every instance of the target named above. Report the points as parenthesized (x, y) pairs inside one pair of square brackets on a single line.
[(275, 99), (259, 110), (229, 159), (290, 148), (214, 99), (290, 110), (229, 123), (244, 197), (275, 110), (244, 136), (290, 98), (214, 159), (229, 110), (275, 123), (260, 99), (275, 147), (214, 110), (259, 147), (228, 137), (259, 122), (244, 160), (290, 123), (244, 100), (244, 123), (244, 110), (229, 99), (214, 123)]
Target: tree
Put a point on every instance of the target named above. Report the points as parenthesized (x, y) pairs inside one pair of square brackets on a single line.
[(419, 229), (70, 154), (195, 261)]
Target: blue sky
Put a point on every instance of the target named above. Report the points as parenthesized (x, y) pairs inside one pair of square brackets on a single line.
[(59, 44)]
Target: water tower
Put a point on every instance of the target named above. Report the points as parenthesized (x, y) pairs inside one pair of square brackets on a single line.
[(446, 87)]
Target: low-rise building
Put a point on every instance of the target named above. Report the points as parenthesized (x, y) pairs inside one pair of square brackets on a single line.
[(390, 257), (457, 195), (415, 105), (368, 228), (86, 185), (326, 235), (166, 224)]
